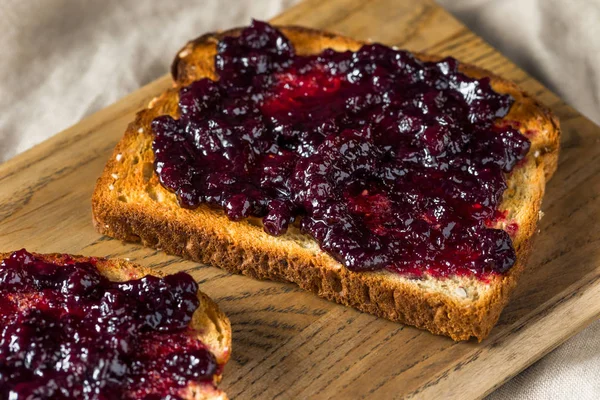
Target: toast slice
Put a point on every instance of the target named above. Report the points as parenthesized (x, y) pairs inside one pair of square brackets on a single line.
[(130, 204), (209, 322)]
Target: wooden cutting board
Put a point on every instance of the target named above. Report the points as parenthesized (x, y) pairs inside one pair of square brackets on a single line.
[(288, 343)]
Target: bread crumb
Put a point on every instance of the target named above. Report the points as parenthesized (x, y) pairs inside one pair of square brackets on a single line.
[(141, 130), (536, 154), (106, 226), (184, 53), (461, 292), (111, 187), (540, 215), (114, 176), (153, 102), (119, 157)]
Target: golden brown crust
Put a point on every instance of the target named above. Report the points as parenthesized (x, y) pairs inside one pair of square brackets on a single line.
[(211, 324), (135, 207)]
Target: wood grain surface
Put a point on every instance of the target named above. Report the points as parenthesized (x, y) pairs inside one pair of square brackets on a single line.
[(288, 343)]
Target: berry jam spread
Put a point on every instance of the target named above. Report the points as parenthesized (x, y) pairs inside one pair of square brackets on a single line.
[(388, 162), (67, 332)]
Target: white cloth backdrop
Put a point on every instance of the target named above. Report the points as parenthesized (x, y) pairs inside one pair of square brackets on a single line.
[(64, 59)]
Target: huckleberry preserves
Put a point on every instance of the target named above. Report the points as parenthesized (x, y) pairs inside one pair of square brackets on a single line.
[(67, 332), (388, 162)]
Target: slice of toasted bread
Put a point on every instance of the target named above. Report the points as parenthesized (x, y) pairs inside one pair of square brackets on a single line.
[(129, 203), (212, 326)]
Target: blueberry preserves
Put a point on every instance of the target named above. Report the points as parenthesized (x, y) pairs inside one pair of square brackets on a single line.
[(388, 162), (67, 332)]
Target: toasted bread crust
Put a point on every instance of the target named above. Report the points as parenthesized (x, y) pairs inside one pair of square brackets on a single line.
[(211, 324), (135, 207)]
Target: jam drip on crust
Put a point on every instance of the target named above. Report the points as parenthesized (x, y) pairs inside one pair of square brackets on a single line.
[(388, 162), (67, 332)]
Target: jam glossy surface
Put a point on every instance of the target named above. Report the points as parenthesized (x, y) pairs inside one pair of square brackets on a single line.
[(67, 332), (388, 162)]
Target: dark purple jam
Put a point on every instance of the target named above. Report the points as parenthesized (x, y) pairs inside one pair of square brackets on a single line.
[(385, 160), (67, 332)]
